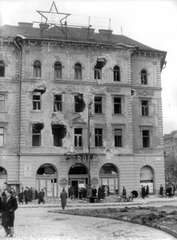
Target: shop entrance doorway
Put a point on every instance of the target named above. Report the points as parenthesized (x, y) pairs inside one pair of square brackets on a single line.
[(47, 180), (147, 178), (109, 176), (78, 179)]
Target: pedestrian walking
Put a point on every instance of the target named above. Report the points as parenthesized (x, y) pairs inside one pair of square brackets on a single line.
[(124, 192), (9, 206), (143, 191), (41, 197), (161, 191), (27, 195), (63, 196)]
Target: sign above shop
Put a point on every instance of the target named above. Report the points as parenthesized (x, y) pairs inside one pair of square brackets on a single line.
[(81, 157)]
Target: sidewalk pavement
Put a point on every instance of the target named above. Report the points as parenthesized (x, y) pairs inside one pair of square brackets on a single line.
[(79, 203)]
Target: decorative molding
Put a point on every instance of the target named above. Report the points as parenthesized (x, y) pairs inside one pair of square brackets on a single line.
[(145, 93)]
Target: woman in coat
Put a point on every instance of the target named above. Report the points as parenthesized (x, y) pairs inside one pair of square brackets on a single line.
[(9, 206), (63, 196)]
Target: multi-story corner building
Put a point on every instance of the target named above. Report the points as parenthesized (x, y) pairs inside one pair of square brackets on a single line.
[(74, 101)]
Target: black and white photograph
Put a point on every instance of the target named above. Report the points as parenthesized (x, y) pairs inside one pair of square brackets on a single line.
[(88, 119)]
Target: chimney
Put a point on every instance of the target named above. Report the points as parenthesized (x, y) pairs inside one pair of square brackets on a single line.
[(43, 26), (105, 31), (25, 24)]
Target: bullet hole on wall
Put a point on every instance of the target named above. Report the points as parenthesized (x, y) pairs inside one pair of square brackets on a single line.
[(132, 92), (98, 68), (79, 103), (59, 132)]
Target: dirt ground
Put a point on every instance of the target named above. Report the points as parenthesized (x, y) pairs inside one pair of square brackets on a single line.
[(164, 218)]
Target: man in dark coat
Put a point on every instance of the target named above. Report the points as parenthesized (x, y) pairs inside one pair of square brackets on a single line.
[(27, 195), (41, 197), (9, 206), (63, 196)]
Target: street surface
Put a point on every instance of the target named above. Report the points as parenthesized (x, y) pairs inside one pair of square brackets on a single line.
[(39, 224)]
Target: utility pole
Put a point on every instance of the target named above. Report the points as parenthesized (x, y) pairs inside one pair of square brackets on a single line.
[(89, 175)]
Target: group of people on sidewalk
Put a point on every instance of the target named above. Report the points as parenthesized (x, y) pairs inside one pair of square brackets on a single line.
[(31, 194), (168, 191)]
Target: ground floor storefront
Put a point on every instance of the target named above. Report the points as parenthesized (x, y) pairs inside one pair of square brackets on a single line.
[(52, 173)]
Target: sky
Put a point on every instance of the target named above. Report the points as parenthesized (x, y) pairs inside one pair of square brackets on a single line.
[(151, 22)]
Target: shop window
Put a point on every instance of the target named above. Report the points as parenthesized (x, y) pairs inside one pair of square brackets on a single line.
[(78, 71), (98, 104), (59, 132), (2, 103), (2, 69), (79, 103), (58, 70), (78, 137), (144, 79), (98, 137), (146, 138), (36, 100), (1, 136), (37, 69), (145, 107), (98, 68), (118, 137), (57, 103), (116, 72), (36, 134), (117, 105)]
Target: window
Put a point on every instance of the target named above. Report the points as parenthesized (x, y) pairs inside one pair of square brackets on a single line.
[(144, 77), (145, 107), (98, 137), (79, 103), (36, 134), (97, 73), (116, 72), (78, 71), (98, 104), (37, 69), (58, 70), (98, 68), (2, 69), (1, 137), (118, 137), (78, 137), (146, 138), (2, 103), (117, 105), (59, 132), (57, 103), (36, 100)]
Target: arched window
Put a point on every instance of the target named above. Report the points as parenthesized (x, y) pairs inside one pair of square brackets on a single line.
[(2, 69), (58, 70), (144, 79), (77, 71), (116, 72), (37, 69)]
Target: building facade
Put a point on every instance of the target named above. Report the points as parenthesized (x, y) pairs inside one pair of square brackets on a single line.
[(79, 107)]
